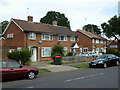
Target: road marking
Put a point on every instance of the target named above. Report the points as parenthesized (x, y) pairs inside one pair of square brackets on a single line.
[(30, 87), (83, 77)]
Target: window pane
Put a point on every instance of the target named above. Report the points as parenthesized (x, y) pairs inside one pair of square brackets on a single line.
[(3, 64), (13, 64)]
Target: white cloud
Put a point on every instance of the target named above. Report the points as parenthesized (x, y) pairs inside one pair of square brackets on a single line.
[(96, 11)]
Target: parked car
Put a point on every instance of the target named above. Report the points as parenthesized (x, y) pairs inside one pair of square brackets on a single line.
[(98, 53), (105, 60), (89, 54), (13, 69)]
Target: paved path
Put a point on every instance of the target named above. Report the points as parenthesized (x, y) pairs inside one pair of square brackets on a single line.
[(53, 68)]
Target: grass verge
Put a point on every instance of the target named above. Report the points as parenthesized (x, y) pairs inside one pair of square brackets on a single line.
[(80, 65), (41, 70)]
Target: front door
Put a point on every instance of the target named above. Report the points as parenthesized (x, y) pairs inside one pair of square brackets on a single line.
[(33, 57)]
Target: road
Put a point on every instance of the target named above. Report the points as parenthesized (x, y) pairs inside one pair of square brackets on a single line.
[(81, 78)]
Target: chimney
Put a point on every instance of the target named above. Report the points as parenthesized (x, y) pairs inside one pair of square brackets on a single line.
[(83, 28), (30, 18), (54, 23), (92, 31)]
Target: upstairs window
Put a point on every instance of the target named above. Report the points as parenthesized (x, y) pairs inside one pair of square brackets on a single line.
[(97, 40), (11, 35), (47, 37), (92, 40), (72, 38), (32, 36), (104, 42), (101, 41), (62, 38)]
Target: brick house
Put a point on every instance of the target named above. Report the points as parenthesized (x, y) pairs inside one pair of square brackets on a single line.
[(39, 37), (112, 44), (89, 41)]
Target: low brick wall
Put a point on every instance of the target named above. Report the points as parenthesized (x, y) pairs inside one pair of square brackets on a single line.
[(74, 58)]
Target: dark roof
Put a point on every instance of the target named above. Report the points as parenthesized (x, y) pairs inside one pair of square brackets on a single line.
[(43, 28), (91, 35)]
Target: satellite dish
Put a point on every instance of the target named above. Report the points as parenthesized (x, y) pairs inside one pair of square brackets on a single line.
[(40, 42)]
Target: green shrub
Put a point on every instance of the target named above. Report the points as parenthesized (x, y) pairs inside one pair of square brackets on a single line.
[(15, 55), (57, 50), (26, 54), (112, 51), (23, 56), (69, 54)]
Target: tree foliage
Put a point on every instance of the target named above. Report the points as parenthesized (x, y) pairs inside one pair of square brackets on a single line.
[(55, 16), (96, 29), (4, 25), (112, 28)]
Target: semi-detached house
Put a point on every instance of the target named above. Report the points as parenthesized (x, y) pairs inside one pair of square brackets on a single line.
[(89, 41), (39, 37)]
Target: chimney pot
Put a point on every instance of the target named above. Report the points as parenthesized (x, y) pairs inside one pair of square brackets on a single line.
[(55, 23), (30, 18), (92, 31)]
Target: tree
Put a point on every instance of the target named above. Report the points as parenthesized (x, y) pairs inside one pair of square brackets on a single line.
[(96, 29), (4, 25), (112, 28), (55, 16)]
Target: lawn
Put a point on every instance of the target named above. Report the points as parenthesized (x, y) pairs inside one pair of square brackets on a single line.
[(41, 70)]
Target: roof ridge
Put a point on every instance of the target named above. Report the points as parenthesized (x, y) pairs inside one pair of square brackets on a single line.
[(39, 23)]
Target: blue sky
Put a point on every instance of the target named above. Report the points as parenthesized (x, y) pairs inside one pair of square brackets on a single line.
[(95, 11)]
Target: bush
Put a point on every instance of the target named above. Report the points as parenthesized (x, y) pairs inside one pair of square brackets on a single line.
[(69, 54), (57, 50), (26, 54), (15, 55), (112, 51), (23, 56)]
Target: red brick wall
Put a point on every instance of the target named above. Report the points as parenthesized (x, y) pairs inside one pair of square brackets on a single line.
[(84, 41), (18, 36), (46, 43), (113, 43), (99, 45)]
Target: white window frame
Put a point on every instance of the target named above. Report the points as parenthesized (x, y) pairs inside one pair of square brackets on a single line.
[(33, 36), (10, 50), (50, 37), (97, 49), (43, 52), (104, 42), (19, 48), (72, 38), (59, 37), (65, 49), (8, 35), (97, 40), (93, 40), (101, 41)]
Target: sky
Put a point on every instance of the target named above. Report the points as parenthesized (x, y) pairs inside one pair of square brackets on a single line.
[(78, 12)]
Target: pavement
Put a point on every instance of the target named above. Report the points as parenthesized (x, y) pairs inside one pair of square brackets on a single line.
[(55, 68)]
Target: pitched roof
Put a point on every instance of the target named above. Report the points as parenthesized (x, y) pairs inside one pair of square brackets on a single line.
[(43, 28), (91, 35)]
